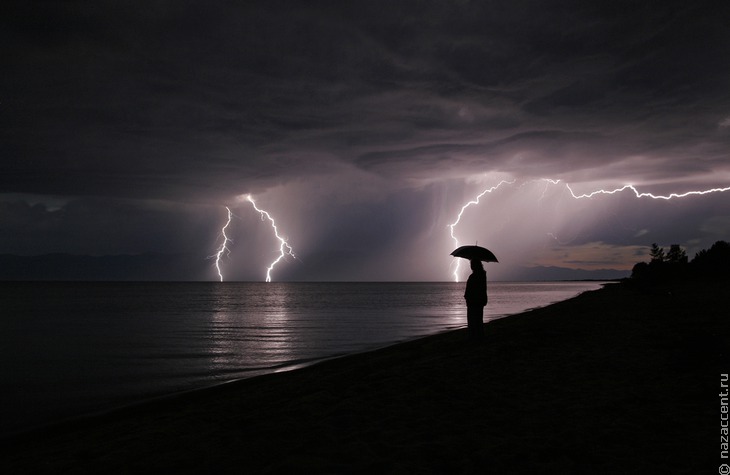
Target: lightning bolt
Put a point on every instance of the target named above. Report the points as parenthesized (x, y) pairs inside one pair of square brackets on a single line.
[(284, 248), (644, 195), (549, 181), (475, 201), (224, 247)]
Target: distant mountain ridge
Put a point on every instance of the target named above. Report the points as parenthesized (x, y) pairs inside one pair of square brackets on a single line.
[(185, 267), (538, 273)]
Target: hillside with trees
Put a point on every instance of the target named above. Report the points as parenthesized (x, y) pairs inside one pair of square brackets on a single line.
[(672, 265)]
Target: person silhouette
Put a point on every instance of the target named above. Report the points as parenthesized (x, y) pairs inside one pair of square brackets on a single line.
[(476, 299)]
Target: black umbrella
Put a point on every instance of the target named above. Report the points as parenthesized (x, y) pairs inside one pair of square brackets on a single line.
[(475, 253)]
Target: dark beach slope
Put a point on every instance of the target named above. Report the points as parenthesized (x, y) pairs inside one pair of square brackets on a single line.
[(614, 381)]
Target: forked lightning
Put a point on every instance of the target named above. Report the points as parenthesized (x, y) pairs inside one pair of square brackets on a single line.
[(549, 181)]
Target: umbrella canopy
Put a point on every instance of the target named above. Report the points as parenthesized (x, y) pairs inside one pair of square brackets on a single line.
[(477, 253)]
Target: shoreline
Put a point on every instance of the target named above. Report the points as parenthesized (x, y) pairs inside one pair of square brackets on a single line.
[(435, 403), (93, 407)]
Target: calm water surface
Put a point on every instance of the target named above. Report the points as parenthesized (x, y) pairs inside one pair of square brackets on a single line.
[(68, 349)]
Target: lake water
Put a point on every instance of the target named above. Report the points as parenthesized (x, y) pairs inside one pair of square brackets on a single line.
[(69, 348)]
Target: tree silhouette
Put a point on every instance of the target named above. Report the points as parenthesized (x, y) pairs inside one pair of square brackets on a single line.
[(656, 253), (713, 263), (676, 255)]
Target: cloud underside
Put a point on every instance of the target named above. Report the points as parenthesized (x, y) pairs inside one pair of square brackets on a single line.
[(362, 125), (179, 100)]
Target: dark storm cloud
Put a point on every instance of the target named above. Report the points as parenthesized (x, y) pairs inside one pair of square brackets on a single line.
[(99, 227), (195, 103), (523, 154), (169, 99)]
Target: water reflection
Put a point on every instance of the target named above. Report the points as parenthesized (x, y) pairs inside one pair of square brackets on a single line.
[(275, 315), (255, 326), (250, 327), (85, 346)]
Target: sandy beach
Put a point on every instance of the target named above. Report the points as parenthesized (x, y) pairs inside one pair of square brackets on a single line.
[(619, 380)]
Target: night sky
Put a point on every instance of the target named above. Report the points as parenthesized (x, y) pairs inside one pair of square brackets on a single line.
[(363, 127)]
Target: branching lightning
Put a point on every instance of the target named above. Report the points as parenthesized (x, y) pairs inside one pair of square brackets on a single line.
[(475, 201), (284, 248), (644, 195), (224, 247), (549, 181)]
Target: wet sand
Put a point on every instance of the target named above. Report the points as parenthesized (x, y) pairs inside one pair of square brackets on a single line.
[(619, 380)]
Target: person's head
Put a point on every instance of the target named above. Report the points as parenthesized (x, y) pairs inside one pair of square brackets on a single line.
[(476, 265)]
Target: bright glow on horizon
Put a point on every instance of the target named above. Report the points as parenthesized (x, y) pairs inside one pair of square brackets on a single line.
[(284, 247), (549, 181)]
